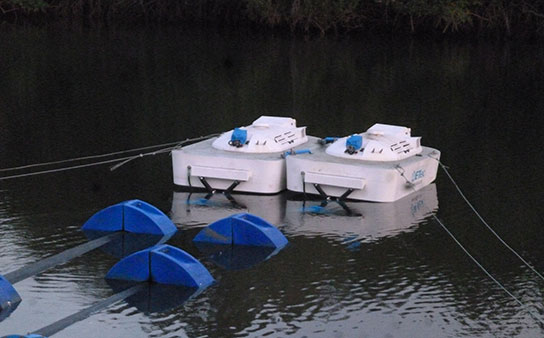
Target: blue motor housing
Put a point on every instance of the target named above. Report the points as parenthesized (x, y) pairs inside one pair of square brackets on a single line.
[(242, 229), (131, 216), (9, 298), (238, 137), (355, 141), (162, 264)]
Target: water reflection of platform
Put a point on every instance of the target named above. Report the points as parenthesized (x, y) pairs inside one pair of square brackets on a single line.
[(353, 221), (199, 208), (360, 221)]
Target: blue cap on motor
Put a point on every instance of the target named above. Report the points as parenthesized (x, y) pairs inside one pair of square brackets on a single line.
[(238, 138), (353, 144)]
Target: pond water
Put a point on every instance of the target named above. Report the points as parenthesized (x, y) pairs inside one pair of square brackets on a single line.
[(388, 270)]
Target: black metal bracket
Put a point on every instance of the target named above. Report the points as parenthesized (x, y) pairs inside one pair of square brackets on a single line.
[(331, 198), (339, 200), (226, 193)]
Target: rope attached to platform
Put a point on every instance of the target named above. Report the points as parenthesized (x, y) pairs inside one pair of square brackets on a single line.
[(122, 160), (535, 316), (486, 224)]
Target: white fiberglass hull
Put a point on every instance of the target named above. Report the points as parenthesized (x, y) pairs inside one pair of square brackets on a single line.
[(262, 173), (369, 180)]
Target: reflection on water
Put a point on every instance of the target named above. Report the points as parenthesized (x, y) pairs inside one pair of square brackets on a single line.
[(198, 208), (356, 222), (379, 270)]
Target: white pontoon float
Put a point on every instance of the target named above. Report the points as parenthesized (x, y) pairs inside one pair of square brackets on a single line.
[(247, 159), (383, 164)]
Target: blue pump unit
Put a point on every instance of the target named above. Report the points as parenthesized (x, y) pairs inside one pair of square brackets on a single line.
[(163, 264), (242, 229), (355, 141), (131, 216), (9, 298), (238, 137)]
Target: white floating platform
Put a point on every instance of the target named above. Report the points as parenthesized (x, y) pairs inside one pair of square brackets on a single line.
[(383, 164), (248, 157)]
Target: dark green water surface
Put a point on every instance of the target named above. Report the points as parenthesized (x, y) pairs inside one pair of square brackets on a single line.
[(388, 271)]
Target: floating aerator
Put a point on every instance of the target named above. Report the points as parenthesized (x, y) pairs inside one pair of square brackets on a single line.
[(242, 229), (162, 264), (9, 298), (131, 216)]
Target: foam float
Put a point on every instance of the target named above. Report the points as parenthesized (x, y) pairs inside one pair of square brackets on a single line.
[(163, 264), (242, 229), (133, 216)]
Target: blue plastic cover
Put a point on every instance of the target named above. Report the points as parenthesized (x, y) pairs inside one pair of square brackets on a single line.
[(355, 141), (242, 229), (163, 264), (131, 216), (9, 297), (239, 135)]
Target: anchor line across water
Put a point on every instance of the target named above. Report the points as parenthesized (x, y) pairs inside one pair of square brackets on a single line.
[(119, 160), (78, 316), (529, 265), (535, 316)]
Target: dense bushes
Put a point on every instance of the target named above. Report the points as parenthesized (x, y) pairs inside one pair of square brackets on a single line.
[(323, 16)]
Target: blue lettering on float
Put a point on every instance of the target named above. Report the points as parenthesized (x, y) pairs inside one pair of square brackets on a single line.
[(418, 174)]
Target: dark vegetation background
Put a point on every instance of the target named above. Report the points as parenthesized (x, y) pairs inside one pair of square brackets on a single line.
[(471, 17)]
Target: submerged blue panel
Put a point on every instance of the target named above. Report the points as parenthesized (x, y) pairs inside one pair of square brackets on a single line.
[(242, 229), (128, 243), (162, 264), (236, 257), (131, 216), (9, 298), (162, 298), (170, 265), (355, 141)]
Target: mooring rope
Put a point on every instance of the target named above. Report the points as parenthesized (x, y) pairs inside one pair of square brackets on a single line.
[(60, 258), (90, 157), (121, 160), (529, 265), (85, 313), (465, 250)]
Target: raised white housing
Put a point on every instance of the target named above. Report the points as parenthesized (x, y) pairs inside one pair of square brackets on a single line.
[(381, 142), (256, 164), (388, 165), (267, 134)]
